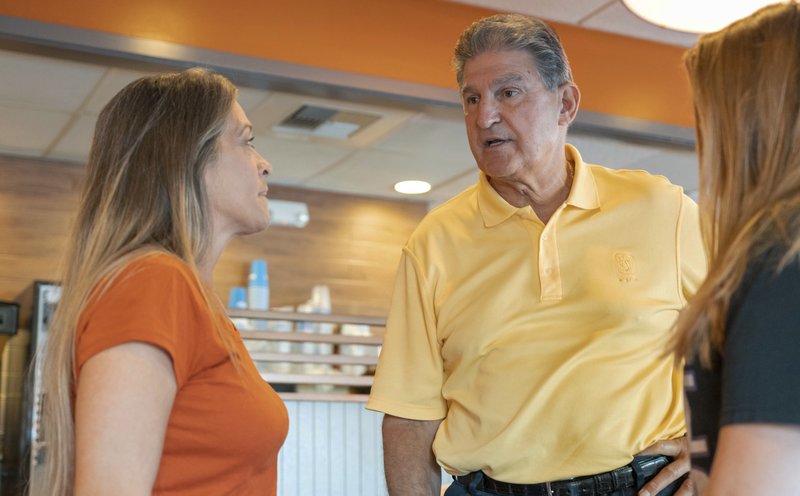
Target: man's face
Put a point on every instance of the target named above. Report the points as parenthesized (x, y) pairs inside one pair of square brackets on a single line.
[(515, 125)]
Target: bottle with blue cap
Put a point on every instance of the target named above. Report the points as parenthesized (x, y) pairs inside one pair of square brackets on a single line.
[(238, 298)]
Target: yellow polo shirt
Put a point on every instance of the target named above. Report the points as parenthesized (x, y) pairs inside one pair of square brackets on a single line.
[(542, 347)]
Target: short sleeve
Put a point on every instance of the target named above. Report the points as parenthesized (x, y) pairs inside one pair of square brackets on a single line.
[(761, 372), (408, 380), (152, 300), (693, 265)]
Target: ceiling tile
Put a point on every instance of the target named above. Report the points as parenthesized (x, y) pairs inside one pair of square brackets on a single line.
[(618, 19), (443, 192), (280, 105), (32, 81), (30, 129), (554, 10), (432, 139), (294, 160), (376, 172), (75, 143), (273, 110), (251, 98), (372, 170), (117, 78), (113, 81)]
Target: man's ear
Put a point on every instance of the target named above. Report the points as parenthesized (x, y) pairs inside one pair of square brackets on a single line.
[(570, 100)]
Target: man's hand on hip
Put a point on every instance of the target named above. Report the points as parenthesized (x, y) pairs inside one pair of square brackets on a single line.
[(678, 449)]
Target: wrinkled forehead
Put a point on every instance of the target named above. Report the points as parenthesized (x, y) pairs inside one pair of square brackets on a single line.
[(499, 67)]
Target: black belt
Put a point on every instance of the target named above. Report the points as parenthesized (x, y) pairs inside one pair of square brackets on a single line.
[(640, 470)]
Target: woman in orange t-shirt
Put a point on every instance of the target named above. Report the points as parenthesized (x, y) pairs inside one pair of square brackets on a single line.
[(149, 389)]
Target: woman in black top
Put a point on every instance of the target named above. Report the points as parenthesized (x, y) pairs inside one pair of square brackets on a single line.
[(743, 325)]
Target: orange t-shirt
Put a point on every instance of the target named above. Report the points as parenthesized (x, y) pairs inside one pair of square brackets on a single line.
[(226, 426)]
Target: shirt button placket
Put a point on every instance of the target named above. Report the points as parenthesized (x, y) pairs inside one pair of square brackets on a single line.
[(545, 264)]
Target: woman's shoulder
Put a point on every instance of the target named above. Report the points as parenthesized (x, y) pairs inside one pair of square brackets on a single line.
[(769, 273), (156, 261), (147, 276), (765, 305), (155, 267)]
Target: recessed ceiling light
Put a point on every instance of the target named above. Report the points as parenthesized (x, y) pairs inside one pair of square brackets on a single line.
[(693, 16), (412, 187)]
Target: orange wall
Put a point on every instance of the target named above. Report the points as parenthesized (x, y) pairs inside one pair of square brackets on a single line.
[(409, 40)]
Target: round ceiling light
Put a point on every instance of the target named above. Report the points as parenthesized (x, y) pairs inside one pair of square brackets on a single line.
[(412, 187), (693, 16)]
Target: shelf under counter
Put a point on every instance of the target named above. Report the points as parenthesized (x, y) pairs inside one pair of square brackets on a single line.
[(307, 317), (282, 380), (309, 337), (335, 359)]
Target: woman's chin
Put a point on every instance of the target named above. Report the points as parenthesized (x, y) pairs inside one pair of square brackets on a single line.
[(255, 227)]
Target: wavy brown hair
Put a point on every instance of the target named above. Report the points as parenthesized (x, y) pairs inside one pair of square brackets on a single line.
[(144, 192), (746, 84)]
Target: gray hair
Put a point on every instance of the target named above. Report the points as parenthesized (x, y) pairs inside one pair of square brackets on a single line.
[(515, 32)]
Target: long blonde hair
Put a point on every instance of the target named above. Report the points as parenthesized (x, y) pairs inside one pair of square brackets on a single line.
[(144, 192), (746, 84)]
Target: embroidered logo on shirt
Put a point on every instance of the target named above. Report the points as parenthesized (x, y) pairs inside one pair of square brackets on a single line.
[(626, 269)]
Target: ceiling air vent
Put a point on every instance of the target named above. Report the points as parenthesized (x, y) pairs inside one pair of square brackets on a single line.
[(312, 120)]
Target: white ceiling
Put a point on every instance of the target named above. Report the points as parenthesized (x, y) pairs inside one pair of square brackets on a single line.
[(48, 107), (602, 15)]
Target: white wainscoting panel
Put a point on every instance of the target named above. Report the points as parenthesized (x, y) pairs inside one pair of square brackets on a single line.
[(332, 449)]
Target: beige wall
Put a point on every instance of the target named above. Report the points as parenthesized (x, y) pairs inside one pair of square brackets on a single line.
[(352, 244)]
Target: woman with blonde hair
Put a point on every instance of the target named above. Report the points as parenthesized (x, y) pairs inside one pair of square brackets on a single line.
[(744, 322), (148, 387)]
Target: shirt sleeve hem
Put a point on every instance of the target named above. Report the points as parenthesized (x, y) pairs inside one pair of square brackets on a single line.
[(98, 347), (761, 417), (413, 412)]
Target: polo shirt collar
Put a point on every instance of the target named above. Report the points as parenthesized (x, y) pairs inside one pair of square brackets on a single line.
[(583, 194), (584, 190)]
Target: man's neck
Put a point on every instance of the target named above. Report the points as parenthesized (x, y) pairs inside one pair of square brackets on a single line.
[(544, 199)]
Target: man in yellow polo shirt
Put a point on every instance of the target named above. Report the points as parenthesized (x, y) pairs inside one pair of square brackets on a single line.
[(525, 350)]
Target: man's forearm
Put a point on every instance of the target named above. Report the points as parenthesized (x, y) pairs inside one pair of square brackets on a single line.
[(409, 464)]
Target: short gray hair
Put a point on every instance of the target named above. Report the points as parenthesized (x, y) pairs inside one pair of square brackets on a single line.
[(515, 32)]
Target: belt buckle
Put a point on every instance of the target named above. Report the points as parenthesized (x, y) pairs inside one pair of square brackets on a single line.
[(549, 489)]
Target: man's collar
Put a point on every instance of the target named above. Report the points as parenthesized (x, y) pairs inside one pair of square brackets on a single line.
[(494, 209), (583, 193)]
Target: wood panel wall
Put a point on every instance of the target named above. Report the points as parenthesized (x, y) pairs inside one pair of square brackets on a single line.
[(351, 243)]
